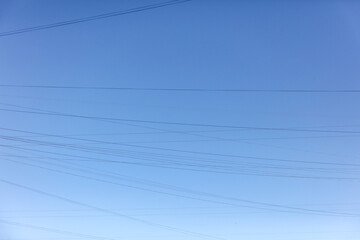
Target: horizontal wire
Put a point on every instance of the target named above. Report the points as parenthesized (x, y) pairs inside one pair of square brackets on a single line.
[(306, 210), (177, 123), (185, 89), (209, 164), (188, 166), (181, 151), (183, 160)]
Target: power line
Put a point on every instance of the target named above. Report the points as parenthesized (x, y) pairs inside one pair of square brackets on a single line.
[(115, 213), (147, 154), (204, 194), (176, 162), (190, 166), (53, 230), (157, 209), (173, 150), (91, 18), (172, 194), (177, 123), (185, 89), (193, 133)]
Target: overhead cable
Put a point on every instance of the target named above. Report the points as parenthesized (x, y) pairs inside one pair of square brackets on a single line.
[(91, 18)]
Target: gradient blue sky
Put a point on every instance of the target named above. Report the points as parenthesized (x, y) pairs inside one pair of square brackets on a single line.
[(198, 44)]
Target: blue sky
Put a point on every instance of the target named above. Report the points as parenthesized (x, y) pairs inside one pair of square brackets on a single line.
[(197, 44)]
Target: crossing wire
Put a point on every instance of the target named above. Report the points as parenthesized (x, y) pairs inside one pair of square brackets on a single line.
[(183, 151), (176, 123), (91, 18), (265, 206), (53, 230), (114, 213)]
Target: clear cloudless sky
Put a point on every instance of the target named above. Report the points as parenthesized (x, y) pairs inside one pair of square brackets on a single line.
[(160, 178)]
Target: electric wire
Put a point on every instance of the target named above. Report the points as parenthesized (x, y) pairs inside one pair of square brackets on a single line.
[(185, 89), (201, 193), (244, 168), (183, 161), (91, 18), (193, 134), (115, 213), (182, 151), (190, 167), (53, 230), (178, 123)]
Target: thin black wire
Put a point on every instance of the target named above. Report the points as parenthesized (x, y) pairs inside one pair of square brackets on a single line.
[(134, 214), (186, 132), (91, 18), (139, 214), (191, 133), (167, 160), (150, 190), (78, 210), (184, 161), (182, 166), (53, 230), (185, 89), (115, 213), (195, 167), (246, 170), (178, 123), (183, 151), (201, 193), (201, 140), (179, 163)]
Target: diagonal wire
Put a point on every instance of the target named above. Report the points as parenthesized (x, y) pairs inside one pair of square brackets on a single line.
[(115, 213), (91, 18)]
